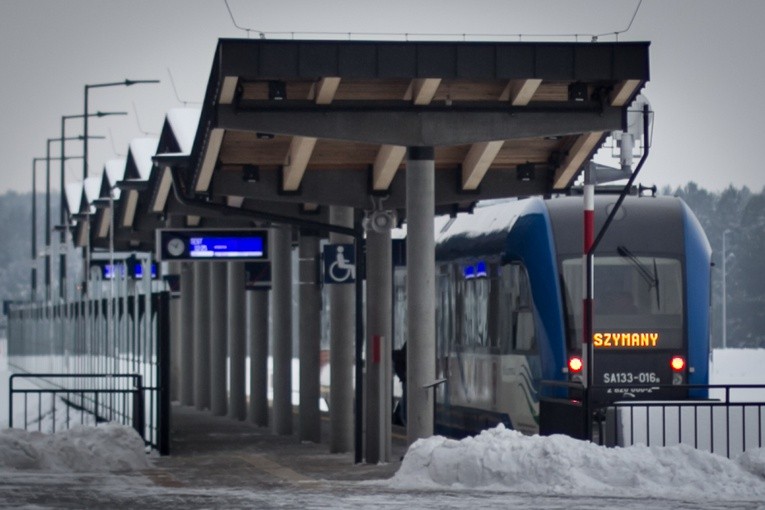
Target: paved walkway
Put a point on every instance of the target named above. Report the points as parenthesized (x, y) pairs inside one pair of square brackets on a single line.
[(211, 451)]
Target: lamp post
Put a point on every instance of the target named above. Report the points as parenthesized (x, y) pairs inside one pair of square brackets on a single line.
[(48, 159), (63, 231), (724, 292), (126, 83)]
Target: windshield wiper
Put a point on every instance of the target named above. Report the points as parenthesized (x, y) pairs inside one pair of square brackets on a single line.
[(651, 279)]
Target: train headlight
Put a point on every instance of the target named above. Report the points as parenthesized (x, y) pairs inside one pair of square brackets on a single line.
[(575, 364)]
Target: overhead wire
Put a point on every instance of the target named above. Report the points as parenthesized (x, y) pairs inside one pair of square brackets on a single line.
[(407, 35)]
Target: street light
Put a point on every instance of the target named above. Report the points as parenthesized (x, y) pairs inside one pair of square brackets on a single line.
[(724, 293), (126, 83), (62, 232), (48, 158)]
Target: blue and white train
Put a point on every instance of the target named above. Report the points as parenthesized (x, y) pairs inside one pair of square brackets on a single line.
[(509, 299)]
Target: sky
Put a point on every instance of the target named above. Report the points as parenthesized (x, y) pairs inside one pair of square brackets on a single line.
[(707, 64)]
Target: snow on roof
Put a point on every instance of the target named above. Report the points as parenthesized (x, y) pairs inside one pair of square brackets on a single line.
[(92, 188), (184, 122), (485, 219), (114, 171), (73, 192), (504, 459), (142, 150)]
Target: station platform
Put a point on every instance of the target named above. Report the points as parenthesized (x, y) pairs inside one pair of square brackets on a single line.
[(216, 451)]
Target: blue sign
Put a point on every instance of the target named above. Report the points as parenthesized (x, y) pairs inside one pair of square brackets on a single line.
[(339, 263), (215, 244)]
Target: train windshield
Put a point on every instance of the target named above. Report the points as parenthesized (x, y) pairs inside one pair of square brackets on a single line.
[(633, 294)]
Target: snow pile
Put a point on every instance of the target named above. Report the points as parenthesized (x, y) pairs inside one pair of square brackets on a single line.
[(505, 459), (109, 447)]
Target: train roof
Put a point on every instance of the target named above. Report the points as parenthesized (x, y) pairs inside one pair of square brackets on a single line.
[(657, 221)]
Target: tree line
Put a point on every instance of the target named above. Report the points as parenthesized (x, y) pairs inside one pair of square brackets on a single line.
[(740, 212)]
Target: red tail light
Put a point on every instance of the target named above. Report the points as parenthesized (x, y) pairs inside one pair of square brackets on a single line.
[(677, 363), (575, 364)]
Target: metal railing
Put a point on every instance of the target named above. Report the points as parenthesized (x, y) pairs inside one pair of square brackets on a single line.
[(728, 423), (122, 330), (60, 401)]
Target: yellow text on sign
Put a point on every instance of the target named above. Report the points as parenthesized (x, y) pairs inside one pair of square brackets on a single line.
[(606, 340)]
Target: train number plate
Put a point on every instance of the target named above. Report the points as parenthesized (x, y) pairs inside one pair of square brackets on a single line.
[(631, 378)]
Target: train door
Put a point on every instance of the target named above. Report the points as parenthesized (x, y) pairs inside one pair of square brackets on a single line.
[(520, 369)]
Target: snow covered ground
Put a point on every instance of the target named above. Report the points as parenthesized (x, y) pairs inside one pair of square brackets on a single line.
[(107, 466)]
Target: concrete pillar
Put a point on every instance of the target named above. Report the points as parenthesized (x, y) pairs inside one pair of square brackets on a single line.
[(420, 291), (237, 347), (378, 333), (309, 427), (341, 328), (186, 332), (202, 335), (218, 339), (257, 338), (176, 318), (281, 273)]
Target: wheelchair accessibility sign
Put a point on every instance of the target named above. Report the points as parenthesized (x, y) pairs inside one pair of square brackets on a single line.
[(339, 263)]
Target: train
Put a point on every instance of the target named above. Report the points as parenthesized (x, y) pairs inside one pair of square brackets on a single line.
[(509, 307)]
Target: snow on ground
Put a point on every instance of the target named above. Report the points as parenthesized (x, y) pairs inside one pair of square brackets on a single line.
[(506, 460), (108, 447)]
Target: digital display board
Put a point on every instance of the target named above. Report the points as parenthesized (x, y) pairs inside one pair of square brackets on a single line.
[(215, 244)]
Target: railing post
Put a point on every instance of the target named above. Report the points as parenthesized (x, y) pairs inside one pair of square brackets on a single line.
[(138, 418)]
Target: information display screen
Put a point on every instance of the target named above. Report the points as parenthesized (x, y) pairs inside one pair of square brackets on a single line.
[(226, 246), (217, 244)]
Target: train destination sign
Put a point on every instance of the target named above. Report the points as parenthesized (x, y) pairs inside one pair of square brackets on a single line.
[(622, 340), (214, 244)]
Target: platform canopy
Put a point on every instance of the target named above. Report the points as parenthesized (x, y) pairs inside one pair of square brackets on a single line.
[(292, 127)]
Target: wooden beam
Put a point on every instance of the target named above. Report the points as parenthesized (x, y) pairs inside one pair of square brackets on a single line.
[(210, 160), (301, 147), (163, 190), (477, 162), (623, 91), (520, 92), (577, 155), (388, 161), (422, 90), (323, 92), (296, 161), (228, 90), (234, 201)]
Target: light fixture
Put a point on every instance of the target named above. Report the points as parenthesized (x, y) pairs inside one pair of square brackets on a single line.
[(525, 172), (277, 90), (577, 92), (250, 173)]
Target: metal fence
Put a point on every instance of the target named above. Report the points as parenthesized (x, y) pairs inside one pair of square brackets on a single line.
[(728, 423), (50, 402), (121, 331)]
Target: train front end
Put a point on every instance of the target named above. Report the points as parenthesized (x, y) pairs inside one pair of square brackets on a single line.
[(651, 310)]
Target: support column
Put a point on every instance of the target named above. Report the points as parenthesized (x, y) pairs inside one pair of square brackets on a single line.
[(310, 338), (257, 335), (176, 318), (237, 347), (185, 327), (341, 327), (218, 339), (201, 335), (421, 292), (379, 331), (281, 273)]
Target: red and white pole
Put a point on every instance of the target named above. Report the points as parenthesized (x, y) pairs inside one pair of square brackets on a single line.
[(587, 275)]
